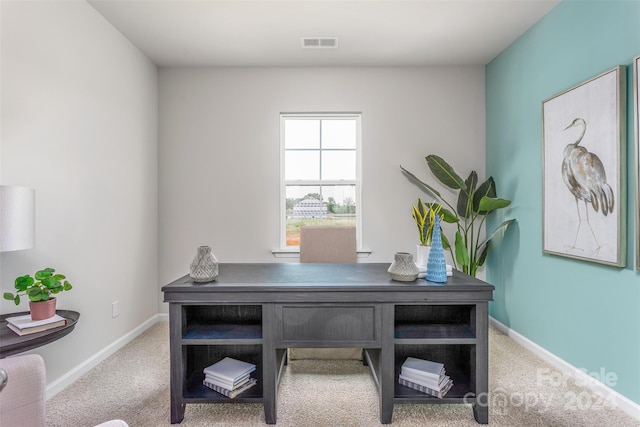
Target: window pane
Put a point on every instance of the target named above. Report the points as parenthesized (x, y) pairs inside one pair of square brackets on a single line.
[(340, 203), (302, 165), (339, 134), (302, 133), (304, 207), (338, 165)]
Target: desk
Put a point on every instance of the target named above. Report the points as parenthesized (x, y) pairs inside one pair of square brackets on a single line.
[(254, 312), (12, 343)]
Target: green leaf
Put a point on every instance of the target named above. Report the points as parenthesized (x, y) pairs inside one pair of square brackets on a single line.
[(445, 173), (488, 189), (17, 300), (463, 196), (483, 255), (33, 292), (67, 286), (43, 274), (426, 187), (487, 204), (23, 282), (59, 277), (8, 296), (49, 282), (462, 256), (448, 216)]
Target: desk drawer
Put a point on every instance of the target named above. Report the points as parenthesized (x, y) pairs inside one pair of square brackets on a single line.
[(328, 325)]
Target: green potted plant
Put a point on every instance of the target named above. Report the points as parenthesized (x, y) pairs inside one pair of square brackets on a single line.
[(424, 215), (39, 289), (475, 202)]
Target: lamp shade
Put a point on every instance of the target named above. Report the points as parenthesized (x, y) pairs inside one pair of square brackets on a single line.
[(17, 218)]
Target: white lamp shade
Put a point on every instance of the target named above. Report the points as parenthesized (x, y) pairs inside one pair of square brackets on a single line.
[(17, 218)]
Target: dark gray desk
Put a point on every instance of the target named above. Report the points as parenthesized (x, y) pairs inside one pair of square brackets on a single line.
[(254, 312)]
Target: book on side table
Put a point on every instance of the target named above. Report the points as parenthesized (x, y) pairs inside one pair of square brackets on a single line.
[(23, 325)]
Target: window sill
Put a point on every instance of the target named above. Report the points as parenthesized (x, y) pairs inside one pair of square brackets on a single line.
[(295, 253)]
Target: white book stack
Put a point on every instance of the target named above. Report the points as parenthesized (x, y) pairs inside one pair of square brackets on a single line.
[(425, 376), (23, 325), (229, 377)]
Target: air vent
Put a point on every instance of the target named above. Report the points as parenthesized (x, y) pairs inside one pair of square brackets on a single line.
[(319, 42)]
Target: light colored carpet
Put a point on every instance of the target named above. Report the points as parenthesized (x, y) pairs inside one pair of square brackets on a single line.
[(133, 385)]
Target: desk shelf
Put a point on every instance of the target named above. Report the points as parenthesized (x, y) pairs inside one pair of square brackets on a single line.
[(440, 333), (211, 332)]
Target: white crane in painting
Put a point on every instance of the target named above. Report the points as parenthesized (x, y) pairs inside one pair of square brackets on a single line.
[(584, 175)]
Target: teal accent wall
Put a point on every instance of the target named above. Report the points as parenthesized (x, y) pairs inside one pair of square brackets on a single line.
[(585, 313)]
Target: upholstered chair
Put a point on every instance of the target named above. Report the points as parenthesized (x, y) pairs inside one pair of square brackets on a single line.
[(23, 383)]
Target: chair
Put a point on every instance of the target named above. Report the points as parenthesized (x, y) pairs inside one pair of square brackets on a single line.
[(23, 393), (328, 244), (335, 245)]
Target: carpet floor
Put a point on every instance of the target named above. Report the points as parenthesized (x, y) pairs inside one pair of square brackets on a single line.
[(133, 385)]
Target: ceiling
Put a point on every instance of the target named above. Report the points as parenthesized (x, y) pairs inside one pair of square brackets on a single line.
[(370, 32)]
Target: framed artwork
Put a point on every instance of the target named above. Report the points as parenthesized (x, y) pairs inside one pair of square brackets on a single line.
[(584, 170), (636, 97)]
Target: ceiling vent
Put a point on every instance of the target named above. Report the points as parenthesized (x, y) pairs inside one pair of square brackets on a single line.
[(319, 42)]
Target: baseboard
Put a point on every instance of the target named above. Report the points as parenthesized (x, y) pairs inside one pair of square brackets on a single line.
[(624, 403), (67, 379)]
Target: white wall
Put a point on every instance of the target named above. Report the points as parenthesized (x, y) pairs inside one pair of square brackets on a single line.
[(79, 124), (219, 150)]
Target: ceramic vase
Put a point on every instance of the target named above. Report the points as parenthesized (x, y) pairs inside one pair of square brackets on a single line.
[(403, 269), (204, 267), (437, 266), (41, 310)]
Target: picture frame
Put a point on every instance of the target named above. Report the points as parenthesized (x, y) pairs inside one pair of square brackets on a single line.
[(584, 170), (636, 103)]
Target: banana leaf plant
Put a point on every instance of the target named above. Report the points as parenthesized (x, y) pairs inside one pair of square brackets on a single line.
[(475, 202)]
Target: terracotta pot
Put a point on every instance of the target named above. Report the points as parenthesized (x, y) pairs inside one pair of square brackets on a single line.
[(42, 309)]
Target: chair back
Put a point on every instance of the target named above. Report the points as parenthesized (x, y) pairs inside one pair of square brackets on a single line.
[(335, 245)]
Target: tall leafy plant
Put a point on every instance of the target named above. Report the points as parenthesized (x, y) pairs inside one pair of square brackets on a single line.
[(475, 202)]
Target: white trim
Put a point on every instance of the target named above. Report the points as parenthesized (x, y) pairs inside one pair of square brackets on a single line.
[(624, 403), (357, 182), (83, 368), (295, 253)]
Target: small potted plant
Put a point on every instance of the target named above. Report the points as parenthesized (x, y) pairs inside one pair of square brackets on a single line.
[(39, 289), (425, 215)]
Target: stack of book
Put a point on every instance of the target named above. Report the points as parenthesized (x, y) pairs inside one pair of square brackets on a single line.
[(229, 377), (425, 376), (23, 325)]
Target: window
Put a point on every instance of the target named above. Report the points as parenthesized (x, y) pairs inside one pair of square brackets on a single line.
[(320, 173)]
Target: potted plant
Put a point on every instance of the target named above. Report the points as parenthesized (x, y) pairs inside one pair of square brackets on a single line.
[(475, 202), (39, 289), (424, 215)]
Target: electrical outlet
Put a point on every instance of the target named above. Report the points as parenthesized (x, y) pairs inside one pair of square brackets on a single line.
[(114, 309)]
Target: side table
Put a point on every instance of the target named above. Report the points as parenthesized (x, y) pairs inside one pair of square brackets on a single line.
[(12, 343)]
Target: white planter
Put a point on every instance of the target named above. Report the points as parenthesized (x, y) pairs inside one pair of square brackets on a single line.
[(422, 255)]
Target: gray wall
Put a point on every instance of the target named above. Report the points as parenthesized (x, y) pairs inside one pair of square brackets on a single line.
[(219, 151), (79, 124)]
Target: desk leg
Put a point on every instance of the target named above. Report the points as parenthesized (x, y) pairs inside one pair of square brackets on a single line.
[(386, 381), (176, 361), (481, 407), (269, 364)]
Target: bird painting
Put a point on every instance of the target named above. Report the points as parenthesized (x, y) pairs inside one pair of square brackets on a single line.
[(585, 177)]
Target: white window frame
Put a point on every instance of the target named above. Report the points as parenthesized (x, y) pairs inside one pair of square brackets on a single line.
[(283, 183)]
